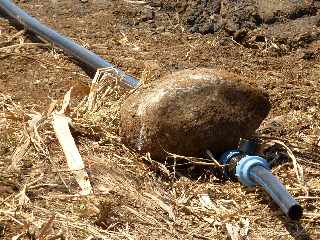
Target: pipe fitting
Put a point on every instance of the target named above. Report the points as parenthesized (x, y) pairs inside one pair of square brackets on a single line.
[(244, 166), (227, 156)]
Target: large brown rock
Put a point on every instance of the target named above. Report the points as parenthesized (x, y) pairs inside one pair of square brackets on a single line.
[(190, 111)]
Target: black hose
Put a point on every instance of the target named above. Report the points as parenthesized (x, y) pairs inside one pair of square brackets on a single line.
[(277, 191), (88, 58)]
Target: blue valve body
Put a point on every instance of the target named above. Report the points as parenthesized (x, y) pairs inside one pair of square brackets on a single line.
[(251, 170), (244, 166)]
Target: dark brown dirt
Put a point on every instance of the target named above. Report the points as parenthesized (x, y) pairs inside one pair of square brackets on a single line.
[(276, 45), (283, 22), (124, 35)]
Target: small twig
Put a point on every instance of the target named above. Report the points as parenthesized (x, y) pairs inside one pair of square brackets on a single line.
[(44, 231), (307, 197), (157, 165), (13, 37), (311, 214), (18, 34), (209, 153), (58, 236), (3, 49), (145, 218), (297, 168), (20, 152), (195, 160), (163, 205), (297, 144), (69, 196), (11, 216), (4, 201), (44, 185)]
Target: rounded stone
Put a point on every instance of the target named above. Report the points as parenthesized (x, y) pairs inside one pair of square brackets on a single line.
[(190, 111)]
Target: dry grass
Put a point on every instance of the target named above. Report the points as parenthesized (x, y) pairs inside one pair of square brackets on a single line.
[(134, 196)]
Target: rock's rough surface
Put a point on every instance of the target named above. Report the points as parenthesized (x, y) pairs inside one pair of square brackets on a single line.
[(190, 111)]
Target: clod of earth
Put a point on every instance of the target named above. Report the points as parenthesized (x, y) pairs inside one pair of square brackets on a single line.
[(190, 111), (289, 24), (209, 16)]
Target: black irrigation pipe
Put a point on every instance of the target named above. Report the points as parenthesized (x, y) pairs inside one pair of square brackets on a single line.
[(90, 60)]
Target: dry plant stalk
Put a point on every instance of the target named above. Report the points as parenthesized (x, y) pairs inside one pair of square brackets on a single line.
[(162, 204), (61, 123), (297, 168), (99, 89), (20, 152), (61, 127), (96, 88), (196, 160), (30, 135)]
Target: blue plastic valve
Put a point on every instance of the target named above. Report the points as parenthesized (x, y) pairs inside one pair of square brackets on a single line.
[(251, 170)]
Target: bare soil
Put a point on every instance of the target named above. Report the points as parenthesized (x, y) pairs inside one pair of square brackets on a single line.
[(275, 44)]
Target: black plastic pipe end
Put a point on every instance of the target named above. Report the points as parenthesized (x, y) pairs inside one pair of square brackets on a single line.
[(295, 212)]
